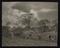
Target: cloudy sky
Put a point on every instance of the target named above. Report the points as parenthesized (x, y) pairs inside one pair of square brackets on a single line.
[(47, 10)]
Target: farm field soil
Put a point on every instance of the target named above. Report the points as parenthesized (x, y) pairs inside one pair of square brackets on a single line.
[(26, 42)]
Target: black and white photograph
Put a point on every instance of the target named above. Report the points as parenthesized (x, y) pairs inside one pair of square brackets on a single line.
[(29, 23)]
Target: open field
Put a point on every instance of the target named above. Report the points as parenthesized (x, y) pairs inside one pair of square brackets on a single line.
[(26, 42)]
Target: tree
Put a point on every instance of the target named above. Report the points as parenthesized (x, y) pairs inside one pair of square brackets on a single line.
[(25, 20), (8, 23), (5, 31), (54, 26), (43, 25)]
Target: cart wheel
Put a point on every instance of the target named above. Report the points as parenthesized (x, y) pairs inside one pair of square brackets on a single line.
[(52, 38)]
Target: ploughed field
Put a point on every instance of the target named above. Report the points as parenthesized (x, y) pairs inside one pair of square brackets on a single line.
[(17, 41), (28, 38)]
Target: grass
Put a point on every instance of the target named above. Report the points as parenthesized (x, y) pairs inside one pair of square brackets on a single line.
[(8, 41)]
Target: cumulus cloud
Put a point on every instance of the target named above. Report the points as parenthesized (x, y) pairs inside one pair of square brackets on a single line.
[(47, 10)]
